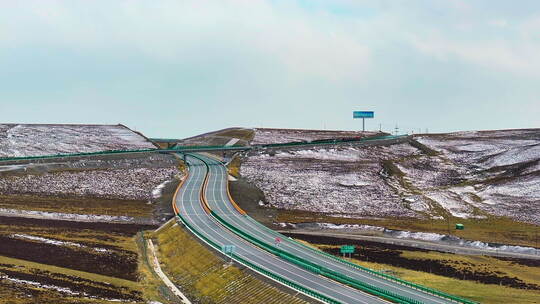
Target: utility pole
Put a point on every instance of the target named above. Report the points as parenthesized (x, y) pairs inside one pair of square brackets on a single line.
[(396, 130), (380, 127), (536, 238), (448, 222)]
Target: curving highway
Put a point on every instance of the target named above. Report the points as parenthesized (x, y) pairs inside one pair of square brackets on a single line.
[(189, 206), (219, 202)]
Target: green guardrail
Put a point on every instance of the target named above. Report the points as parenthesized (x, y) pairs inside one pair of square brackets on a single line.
[(193, 148), (317, 269), (371, 271), (327, 272), (16, 158), (333, 141), (310, 266), (287, 282), (270, 274), (335, 275), (182, 148)]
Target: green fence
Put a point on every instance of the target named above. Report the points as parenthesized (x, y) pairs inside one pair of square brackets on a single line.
[(333, 141), (315, 268), (197, 148), (371, 271), (308, 265), (257, 268)]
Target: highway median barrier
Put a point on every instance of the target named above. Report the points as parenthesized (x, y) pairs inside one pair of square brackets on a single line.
[(259, 269), (308, 265), (315, 268), (278, 278), (389, 277)]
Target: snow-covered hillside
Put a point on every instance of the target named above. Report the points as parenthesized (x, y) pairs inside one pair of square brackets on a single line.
[(468, 174), (34, 140), (127, 184), (270, 136)]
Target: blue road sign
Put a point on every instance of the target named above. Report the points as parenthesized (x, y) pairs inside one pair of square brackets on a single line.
[(363, 114)]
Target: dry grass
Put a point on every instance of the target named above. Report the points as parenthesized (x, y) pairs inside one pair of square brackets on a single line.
[(234, 167), (483, 293), (78, 281), (152, 287), (207, 278), (77, 205), (244, 134), (493, 229)]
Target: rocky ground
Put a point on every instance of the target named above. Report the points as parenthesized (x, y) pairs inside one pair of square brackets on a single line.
[(480, 278), (68, 226), (271, 136), (35, 139), (50, 261), (466, 175), (128, 184)]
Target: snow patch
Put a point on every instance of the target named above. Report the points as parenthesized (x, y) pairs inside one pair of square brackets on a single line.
[(35, 140), (156, 193), (65, 216), (55, 242), (44, 286), (456, 241)]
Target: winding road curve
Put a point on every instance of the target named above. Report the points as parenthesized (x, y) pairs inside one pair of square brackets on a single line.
[(220, 202), (189, 205)]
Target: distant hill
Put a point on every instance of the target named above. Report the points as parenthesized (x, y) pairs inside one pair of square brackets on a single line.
[(466, 174), (42, 139)]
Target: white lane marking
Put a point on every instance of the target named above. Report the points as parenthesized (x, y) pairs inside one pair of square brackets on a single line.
[(263, 254), (318, 257)]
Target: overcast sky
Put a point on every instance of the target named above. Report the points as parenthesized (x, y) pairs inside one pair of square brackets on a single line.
[(179, 68)]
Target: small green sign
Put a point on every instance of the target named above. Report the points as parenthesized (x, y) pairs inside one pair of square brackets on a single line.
[(347, 249), (228, 249)]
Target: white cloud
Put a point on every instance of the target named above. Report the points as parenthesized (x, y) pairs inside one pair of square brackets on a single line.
[(505, 55), (498, 22), (302, 44)]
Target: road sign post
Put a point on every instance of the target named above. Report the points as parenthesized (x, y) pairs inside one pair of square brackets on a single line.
[(228, 249), (347, 249), (363, 115)]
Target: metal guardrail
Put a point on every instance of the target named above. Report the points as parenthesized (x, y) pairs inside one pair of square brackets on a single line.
[(188, 149), (384, 275), (310, 266), (317, 269), (259, 269), (338, 276)]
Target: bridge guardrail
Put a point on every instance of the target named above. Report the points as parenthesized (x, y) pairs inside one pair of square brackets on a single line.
[(191, 148)]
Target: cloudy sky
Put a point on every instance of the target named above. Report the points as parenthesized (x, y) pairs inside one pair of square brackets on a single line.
[(179, 68)]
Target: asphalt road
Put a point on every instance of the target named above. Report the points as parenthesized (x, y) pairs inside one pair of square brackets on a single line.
[(190, 207), (219, 202)]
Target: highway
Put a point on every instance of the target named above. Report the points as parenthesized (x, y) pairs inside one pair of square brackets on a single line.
[(189, 205), (219, 202)]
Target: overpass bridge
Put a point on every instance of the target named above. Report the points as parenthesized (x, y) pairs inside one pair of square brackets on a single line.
[(228, 150)]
